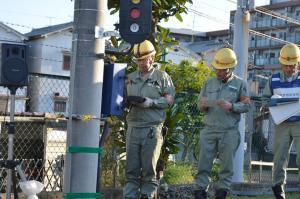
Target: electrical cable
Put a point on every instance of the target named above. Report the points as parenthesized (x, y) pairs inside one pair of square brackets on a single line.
[(232, 25), (232, 1), (276, 15)]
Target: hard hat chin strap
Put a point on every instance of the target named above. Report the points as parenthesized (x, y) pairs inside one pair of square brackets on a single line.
[(228, 75)]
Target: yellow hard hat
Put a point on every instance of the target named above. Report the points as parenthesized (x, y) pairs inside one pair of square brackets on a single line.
[(224, 58), (143, 50), (289, 54)]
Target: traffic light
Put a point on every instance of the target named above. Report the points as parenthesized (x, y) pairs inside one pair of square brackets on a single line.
[(135, 20)]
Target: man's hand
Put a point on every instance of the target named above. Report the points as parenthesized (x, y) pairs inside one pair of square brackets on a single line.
[(169, 98), (223, 104), (202, 104)]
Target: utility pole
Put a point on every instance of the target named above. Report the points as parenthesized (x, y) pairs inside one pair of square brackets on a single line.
[(240, 47), (80, 175)]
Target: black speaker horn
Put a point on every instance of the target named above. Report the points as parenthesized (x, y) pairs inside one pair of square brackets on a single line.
[(13, 66)]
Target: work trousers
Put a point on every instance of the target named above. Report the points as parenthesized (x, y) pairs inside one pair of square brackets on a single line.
[(285, 134), (221, 144), (143, 146)]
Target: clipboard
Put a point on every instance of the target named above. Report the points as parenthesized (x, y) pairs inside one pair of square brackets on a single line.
[(283, 112), (282, 101)]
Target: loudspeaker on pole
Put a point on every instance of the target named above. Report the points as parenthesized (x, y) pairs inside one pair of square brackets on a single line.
[(13, 65)]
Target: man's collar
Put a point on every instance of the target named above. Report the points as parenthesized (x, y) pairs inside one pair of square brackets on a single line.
[(139, 74), (284, 78), (228, 80)]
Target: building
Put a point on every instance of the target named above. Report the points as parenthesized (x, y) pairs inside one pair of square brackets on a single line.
[(209, 44), (49, 60), (195, 46), (263, 51)]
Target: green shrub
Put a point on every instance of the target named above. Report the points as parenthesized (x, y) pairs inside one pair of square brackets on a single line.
[(214, 175), (179, 174)]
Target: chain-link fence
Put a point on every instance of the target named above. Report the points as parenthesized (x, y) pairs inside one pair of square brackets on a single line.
[(40, 129)]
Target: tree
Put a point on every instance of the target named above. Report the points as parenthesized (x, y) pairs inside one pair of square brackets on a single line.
[(184, 119)]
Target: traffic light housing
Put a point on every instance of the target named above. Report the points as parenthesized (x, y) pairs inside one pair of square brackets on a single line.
[(135, 20)]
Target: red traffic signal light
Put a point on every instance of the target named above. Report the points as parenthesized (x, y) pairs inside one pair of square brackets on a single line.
[(135, 20), (135, 13)]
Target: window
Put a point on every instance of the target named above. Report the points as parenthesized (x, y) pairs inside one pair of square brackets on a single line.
[(60, 103), (60, 106), (282, 35), (4, 103), (66, 61), (272, 55), (291, 9)]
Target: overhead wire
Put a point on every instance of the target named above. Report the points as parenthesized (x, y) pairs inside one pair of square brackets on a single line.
[(258, 9), (7, 39), (15, 24), (232, 1), (267, 36), (25, 26), (253, 32), (31, 14), (276, 15), (46, 59), (231, 24), (209, 5), (201, 14)]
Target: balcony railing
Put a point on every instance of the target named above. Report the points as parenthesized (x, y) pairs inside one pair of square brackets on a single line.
[(266, 61)]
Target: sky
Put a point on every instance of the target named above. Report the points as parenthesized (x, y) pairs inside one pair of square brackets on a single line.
[(24, 15)]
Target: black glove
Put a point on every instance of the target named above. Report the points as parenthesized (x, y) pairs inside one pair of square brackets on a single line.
[(135, 100)]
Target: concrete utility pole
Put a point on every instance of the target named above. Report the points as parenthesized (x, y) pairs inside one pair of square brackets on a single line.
[(240, 46), (80, 175)]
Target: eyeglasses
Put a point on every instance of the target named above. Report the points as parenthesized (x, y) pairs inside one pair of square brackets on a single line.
[(145, 60)]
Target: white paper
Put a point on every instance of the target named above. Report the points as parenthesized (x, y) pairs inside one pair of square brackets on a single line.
[(285, 111)]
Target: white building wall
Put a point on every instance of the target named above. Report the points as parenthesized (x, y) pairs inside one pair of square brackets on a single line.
[(6, 35), (34, 55), (46, 54), (177, 54), (19, 103), (46, 58), (41, 91)]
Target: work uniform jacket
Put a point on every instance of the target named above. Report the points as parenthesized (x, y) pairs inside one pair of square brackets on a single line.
[(234, 91), (155, 87)]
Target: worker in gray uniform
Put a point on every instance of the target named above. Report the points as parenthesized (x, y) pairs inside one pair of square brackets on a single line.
[(150, 92), (285, 84), (222, 99)]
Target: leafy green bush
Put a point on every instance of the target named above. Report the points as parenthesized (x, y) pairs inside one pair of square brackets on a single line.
[(214, 175), (179, 174)]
